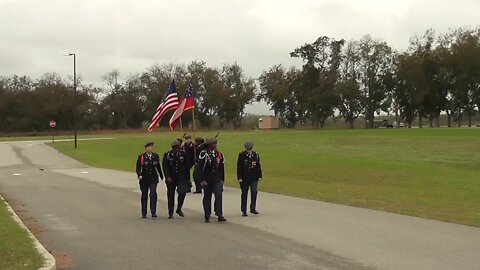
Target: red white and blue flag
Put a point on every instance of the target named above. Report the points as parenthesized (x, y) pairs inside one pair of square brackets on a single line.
[(186, 103), (169, 102)]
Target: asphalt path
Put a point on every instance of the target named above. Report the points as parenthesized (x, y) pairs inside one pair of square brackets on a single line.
[(89, 218)]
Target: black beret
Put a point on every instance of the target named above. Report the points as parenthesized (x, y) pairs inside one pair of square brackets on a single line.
[(148, 144), (199, 140), (188, 137), (175, 143), (211, 141)]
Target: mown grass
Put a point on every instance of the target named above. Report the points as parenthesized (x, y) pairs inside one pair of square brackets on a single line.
[(16, 247), (432, 173)]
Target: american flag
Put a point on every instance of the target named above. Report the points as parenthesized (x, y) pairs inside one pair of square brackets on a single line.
[(169, 102), (186, 103)]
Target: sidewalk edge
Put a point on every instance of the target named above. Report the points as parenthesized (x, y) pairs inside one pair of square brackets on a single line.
[(49, 261)]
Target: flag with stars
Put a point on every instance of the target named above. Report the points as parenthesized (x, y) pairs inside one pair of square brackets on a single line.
[(186, 103), (169, 102)]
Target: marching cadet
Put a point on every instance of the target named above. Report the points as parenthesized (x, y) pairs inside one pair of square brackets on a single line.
[(211, 170), (189, 148), (177, 176), (249, 172), (148, 172), (199, 146)]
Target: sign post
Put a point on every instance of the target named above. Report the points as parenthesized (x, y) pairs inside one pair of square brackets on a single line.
[(53, 124)]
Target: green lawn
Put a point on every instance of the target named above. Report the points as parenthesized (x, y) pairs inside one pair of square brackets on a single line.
[(16, 247), (433, 173)]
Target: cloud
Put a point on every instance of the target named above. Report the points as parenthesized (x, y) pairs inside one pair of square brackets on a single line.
[(132, 35)]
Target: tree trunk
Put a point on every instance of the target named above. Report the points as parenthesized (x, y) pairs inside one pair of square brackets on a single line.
[(350, 123), (420, 122), (449, 119), (322, 123), (435, 120), (371, 117), (469, 119), (410, 124), (397, 117), (459, 124)]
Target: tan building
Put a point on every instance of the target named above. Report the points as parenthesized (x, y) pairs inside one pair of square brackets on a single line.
[(269, 122)]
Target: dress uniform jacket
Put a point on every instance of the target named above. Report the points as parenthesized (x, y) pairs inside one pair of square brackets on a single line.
[(211, 166), (189, 154), (149, 168), (248, 166), (175, 166)]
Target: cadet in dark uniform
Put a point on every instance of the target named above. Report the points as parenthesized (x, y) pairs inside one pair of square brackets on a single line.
[(148, 172), (249, 172), (211, 171), (177, 177), (199, 146), (189, 148)]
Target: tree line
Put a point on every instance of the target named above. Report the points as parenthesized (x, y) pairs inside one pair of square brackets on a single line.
[(437, 74), (28, 105)]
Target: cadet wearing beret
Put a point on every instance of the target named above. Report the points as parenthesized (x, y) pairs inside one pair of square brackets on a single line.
[(211, 172), (177, 174), (249, 172), (148, 172)]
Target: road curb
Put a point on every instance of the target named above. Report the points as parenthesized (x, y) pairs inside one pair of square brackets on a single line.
[(49, 261)]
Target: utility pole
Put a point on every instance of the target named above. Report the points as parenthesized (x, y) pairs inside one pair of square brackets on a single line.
[(74, 97)]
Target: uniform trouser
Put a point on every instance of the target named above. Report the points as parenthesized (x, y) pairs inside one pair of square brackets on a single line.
[(145, 187), (216, 189), (245, 186), (171, 187), (196, 179)]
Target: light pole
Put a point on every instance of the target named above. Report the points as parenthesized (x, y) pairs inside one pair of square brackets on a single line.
[(74, 96)]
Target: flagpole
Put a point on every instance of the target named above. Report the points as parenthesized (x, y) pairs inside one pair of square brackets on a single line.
[(181, 127), (194, 136)]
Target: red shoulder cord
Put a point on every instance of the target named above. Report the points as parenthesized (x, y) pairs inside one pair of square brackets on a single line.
[(142, 159)]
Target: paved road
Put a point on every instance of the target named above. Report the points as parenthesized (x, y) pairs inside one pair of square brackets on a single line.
[(91, 215)]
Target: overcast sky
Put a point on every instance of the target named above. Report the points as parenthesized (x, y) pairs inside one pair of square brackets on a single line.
[(132, 35)]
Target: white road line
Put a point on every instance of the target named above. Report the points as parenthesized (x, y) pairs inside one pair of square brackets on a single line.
[(16, 174)]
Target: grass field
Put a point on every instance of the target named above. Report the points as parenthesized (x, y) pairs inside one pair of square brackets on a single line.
[(16, 248), (433, 173)]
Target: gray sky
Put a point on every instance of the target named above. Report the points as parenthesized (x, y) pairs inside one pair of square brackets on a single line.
[(132, 35)]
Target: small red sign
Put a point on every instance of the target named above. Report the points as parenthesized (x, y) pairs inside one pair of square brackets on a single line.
[(52, 123)]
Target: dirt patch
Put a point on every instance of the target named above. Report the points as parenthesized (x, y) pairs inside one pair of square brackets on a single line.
[(64, 261)]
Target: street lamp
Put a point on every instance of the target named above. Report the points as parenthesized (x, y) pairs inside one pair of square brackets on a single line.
[(74, 96)]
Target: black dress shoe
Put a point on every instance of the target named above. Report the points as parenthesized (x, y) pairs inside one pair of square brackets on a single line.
[(254, 212), (198, 192), (180, 213), (244, 214), (154, 215), (144, 216), (170, 217), (221, 219), (207, 220)]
